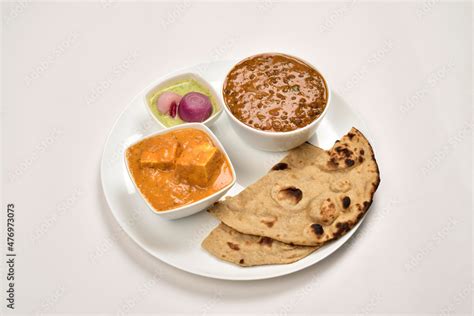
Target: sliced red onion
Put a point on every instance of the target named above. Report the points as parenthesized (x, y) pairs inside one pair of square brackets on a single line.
[(173, 109), (166, 100), (195, 107)]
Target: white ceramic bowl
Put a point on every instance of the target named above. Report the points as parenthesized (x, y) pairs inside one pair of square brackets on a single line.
[(277, 141), (168, 81), (199, 205)]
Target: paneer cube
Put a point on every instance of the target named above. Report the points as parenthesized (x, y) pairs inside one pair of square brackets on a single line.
[(197, 165), (161, 156)]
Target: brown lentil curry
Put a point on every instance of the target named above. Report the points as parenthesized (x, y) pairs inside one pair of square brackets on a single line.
[(275, 92)]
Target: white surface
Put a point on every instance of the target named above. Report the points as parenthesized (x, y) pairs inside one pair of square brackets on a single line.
[(68, 70), (184, 250)]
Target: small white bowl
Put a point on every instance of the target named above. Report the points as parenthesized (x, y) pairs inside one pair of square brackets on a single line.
[(277, 141), (166, 82), (189, 209)]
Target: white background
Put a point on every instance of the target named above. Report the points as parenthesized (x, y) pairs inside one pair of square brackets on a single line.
[(69, 69)]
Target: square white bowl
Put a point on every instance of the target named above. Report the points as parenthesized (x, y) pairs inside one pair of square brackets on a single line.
[(188, 209), (169, 81)]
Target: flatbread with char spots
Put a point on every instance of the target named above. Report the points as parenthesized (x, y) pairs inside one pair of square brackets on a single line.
[(245, 250), (312, 196)]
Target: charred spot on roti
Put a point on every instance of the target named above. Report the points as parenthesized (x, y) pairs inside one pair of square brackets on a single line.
[(292, 195), (333, 163), (266, 241), (367, 205), (342, 156), (242, 261), (233, 246), (280, 166), (349, 162), (361, 152), (318, 229), (346, 201), (358, 207), (343, 151), (350, 135), (342, 228)]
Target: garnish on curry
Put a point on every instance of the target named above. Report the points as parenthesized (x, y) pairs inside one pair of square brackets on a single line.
[(178, 168)]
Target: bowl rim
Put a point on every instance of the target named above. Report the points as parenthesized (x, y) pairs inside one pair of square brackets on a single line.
[(274, 133), (162, 80), (214, 139)]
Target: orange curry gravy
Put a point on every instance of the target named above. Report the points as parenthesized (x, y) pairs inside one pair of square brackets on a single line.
[(178, 168), (275, 92)]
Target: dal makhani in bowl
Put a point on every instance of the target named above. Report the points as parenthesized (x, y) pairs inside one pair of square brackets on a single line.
[(181, 170), (275, 101)]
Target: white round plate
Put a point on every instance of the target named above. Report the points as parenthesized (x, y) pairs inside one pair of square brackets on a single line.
[(178, 242)]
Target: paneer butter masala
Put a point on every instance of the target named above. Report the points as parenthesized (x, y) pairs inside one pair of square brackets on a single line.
[(178, 168)]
